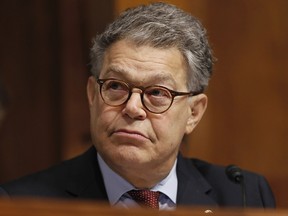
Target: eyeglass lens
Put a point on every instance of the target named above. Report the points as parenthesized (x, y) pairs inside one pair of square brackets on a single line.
[(154, 98)]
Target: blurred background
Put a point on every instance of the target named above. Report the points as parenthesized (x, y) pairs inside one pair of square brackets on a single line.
[(44, 52)]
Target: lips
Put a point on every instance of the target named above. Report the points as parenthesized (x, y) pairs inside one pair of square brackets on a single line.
[(131, 133)]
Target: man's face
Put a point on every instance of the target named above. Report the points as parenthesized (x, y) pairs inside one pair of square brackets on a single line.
[(129, 136)]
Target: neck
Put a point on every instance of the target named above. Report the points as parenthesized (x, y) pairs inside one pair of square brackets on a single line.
[(143, 180), (142, 176)]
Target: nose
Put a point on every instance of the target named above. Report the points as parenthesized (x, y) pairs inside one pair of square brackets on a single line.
[(134, 107)]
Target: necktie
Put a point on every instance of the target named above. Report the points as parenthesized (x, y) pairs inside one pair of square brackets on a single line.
[(146, 198)]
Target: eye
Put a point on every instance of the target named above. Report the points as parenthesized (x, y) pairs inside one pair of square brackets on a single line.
[(157, 92), (157, 97), (115, 91), (115, 85)]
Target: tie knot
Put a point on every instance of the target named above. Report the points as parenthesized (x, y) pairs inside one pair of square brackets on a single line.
[(146, 198)]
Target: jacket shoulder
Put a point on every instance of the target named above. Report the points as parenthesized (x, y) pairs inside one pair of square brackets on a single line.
[(228, 193), (53, 181)]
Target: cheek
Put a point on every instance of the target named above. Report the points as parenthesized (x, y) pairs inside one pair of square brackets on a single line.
[(100, 120), (170, 129)]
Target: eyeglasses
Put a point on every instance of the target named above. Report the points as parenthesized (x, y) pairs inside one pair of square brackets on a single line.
[(156, 99)]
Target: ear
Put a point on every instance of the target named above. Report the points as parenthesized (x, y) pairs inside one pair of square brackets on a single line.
[(91, 89), (198, 105)]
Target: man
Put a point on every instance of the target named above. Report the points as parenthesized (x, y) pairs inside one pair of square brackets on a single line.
[(150, 68)]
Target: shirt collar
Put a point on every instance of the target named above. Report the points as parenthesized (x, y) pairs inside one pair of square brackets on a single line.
[(116, 186)]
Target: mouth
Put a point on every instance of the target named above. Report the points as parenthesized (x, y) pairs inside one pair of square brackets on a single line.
[(131, 134)]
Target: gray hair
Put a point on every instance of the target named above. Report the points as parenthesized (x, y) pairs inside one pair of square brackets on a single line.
[(160, 25)]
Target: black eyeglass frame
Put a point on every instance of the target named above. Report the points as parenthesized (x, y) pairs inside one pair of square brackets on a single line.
[(143, 89)]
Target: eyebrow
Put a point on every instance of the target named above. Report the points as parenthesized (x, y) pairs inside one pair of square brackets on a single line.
[(159, 77), (115, 68)]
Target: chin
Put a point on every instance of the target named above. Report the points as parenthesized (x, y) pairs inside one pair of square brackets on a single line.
[(129, 156)]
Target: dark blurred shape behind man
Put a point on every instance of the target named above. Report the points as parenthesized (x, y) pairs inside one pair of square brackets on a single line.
[(3, 103)]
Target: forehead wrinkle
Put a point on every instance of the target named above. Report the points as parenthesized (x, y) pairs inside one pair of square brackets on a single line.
[(115, 69), (159, 77)]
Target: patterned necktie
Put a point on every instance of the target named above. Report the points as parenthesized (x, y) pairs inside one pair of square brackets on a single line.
[(146, 198)]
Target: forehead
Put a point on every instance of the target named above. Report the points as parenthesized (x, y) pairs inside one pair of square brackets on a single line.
[(126, 60)]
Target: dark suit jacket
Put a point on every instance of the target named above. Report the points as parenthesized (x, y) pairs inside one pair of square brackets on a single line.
[(199, 183)]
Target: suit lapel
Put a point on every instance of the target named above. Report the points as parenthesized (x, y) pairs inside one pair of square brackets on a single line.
[(87, 182), (193, 189)]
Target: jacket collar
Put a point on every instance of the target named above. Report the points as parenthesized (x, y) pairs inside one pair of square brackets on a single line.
[(87, 181), (193, 189)]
